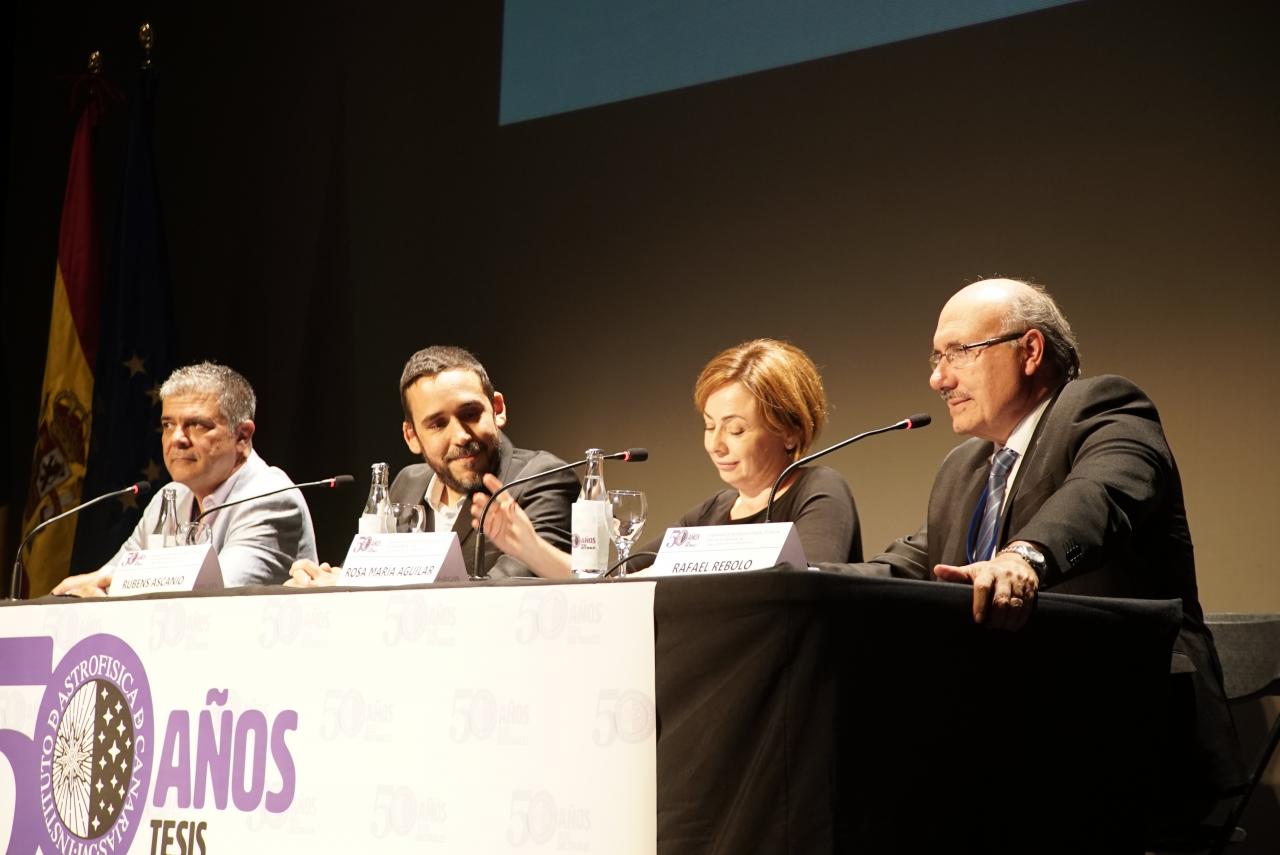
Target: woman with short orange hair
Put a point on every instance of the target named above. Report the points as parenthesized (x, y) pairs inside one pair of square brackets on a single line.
[(763, 405)]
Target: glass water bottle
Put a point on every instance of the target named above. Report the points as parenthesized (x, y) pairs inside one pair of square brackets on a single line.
[(590, 546), (377, 509)]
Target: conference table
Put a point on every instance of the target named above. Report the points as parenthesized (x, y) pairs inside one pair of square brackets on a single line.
[(788, 711)]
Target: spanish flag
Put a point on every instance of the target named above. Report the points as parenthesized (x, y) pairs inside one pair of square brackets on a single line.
[(62, 438)]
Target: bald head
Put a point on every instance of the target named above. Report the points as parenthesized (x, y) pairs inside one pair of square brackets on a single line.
[(988, 296)]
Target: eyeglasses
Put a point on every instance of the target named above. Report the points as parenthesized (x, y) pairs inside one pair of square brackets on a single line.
[(960, 355)]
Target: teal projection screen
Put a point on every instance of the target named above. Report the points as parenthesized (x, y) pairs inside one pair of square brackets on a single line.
[(561, 55)]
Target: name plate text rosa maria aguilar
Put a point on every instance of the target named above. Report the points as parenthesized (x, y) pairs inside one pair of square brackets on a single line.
[(728, 549), (403, 559), (178, 568)]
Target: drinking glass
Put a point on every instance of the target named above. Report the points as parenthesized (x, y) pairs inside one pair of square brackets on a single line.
[(194, 534), (409, 519), (629, 510)]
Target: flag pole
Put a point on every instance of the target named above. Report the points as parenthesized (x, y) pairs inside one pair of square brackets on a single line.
[(148, 41)]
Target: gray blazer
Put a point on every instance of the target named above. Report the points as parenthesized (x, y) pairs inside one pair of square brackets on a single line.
[(547, 501), (256, 542)]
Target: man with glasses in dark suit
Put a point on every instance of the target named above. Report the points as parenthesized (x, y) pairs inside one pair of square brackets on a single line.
[(1066, 483)]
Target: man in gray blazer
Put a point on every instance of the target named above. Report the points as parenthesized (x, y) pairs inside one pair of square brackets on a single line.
[(206, 436), (1066, 484), (453, 418)]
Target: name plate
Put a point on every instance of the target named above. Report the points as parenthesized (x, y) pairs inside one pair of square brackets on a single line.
[(178, 568), (727, 549), (403, 559)]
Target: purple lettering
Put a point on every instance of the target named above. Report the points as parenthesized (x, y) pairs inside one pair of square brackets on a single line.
[(247, 797), (173, 769), (213, 759), (279, 802)]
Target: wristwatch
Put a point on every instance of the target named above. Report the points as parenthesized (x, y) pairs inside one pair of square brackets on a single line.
[(1029, 554)]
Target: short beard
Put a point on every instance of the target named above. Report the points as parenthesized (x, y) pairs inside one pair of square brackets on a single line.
[(473, 448)]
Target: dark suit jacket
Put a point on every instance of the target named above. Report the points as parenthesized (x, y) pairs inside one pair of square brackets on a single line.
[(547, 501), (1099, 490)]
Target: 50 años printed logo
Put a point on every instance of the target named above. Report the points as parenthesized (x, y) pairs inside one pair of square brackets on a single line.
[(83, 777)]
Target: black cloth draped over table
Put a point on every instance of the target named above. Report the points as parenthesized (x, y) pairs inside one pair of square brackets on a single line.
[(806, 712)]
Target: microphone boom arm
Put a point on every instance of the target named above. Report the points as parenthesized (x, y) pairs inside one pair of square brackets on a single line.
[(332, 482), (631, 455), (477, 565), (15, 583), (906, 424)]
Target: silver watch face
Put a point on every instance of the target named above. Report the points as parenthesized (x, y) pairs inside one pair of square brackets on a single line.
[(1032, 555)]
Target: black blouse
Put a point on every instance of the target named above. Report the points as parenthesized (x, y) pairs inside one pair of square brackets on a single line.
[(818, 502)]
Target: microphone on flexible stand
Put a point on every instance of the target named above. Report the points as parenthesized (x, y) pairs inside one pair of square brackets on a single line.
[(333, 481), (919, 420), (631, 455), (15, 582)]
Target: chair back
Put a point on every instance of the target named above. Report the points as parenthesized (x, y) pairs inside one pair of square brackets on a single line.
[(1249, 648)]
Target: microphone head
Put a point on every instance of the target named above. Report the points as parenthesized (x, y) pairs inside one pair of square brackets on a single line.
[(141, 488), (919, 420), (340, 479), (631, 455)]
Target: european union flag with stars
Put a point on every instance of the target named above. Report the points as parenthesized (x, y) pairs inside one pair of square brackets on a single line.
[(136, 352)]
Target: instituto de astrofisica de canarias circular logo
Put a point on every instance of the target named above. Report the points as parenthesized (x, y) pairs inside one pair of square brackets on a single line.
[(93, 744)]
